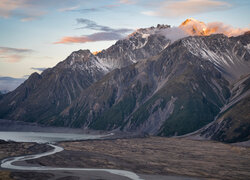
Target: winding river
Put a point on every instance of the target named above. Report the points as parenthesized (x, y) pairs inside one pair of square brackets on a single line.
[(9, 163)]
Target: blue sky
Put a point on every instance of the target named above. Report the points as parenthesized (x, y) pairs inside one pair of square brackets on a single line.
[(40, 33)]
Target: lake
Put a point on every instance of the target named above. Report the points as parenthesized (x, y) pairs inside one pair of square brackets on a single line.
[(45, 137)]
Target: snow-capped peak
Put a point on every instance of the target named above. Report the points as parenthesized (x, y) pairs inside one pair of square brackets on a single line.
[(194, 27), (145, 32)]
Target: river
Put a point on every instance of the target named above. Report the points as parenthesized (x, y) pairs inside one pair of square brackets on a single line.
[(41, 137)]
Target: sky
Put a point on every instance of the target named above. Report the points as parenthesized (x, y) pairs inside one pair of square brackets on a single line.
[(37, 34)]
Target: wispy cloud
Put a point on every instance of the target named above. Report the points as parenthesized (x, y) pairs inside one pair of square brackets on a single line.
[(68, 9), (89, 24), (87, 10), (7, 6), (13, 54), (38, 69), (106, 33), (19, 8), (128, 1), (12, 58), (15, 50), (100, 36), (81, 10), (27, 10), (187, 7), (119, 3)]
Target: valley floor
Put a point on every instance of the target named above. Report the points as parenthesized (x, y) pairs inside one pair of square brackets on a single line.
[(168, 158)]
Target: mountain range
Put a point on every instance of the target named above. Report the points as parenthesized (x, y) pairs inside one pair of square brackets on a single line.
[(158, 80)]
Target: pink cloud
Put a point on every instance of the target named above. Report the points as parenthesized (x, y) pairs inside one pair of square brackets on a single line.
[(128, 1), (70, 40), (13, 55), (12, 58), (6, 6), (105, 33), (27, 10), (187, 7), (99, 36)]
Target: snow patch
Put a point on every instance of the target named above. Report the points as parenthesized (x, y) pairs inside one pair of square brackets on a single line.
[(247, 46), (145, 36)]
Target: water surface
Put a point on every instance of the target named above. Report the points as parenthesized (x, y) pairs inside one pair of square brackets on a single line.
[(8, 163), (44, 137)]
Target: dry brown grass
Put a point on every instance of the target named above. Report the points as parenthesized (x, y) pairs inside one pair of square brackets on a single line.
[(5, 175), (154, 155), (157, 155)]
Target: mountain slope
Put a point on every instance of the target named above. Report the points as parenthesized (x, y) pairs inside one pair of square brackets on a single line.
[(43, 96), (229, 56), (176, 92), (233, 122)]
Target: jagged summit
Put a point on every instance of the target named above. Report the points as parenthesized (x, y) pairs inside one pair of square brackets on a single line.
[(81, 59), (194, 27), (145, 32), (84, 53), (247, 33), (191, 20)]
